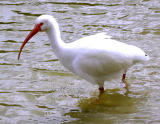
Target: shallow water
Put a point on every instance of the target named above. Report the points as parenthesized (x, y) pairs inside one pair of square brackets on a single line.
[(38, 89)]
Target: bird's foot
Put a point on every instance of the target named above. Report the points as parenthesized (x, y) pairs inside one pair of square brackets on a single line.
[(125, 85)]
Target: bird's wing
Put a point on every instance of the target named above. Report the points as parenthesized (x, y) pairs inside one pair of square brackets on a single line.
[(103, 42), (92, 38), (100, 63), (99, 41)]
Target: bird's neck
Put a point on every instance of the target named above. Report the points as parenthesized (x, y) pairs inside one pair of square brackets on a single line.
[(55, 38), (60, 48)]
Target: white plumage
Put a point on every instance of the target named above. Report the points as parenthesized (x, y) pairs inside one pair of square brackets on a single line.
[(96, 58)]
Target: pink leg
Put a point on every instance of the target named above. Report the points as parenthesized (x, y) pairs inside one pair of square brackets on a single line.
[(101, 90), (125, 82)]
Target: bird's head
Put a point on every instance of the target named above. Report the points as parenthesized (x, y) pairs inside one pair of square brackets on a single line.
[(42, 23)]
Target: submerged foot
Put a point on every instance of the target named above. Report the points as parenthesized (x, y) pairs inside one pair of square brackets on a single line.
[(125, 84)]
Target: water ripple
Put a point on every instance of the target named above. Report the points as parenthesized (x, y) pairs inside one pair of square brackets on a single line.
[(36, 92), (93, 13), (25, 13), (76, 3), (55, 72), (10, 64), (14, 105), (17, 4), (9, 41), (7, 51), (8, 22)]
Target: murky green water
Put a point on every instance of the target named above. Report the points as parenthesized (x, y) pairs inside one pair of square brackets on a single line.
[(38, 89)]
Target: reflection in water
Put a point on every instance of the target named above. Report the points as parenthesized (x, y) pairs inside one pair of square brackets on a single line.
[(107, 108)]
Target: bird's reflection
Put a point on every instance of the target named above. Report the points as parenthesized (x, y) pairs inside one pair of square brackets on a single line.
[(109, 107)]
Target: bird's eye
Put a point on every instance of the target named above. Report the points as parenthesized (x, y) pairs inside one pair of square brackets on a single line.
[(41, 23), (146, 55)]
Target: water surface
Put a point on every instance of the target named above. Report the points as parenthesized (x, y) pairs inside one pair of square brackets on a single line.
[(38, 89)]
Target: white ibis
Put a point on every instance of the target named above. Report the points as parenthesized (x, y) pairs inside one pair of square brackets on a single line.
[(96, 58)]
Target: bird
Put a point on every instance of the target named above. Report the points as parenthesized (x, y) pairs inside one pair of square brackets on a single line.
[(96, 58)]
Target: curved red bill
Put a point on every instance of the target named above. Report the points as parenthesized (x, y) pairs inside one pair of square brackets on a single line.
[(35, 30)]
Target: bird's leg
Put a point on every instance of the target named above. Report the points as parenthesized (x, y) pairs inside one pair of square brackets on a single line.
[(101, 90), (124, 81)]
